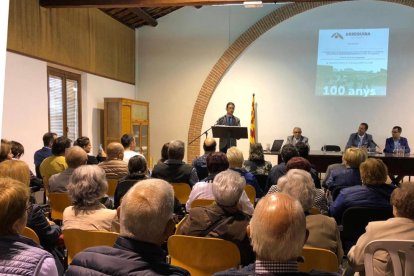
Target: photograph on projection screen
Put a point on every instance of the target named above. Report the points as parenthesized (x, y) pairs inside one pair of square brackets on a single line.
[(352, 62)]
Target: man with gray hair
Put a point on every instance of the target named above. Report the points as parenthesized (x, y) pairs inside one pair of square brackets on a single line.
[(224, 218), (146, 222), (278, 232), (174, 170), (75, 157), (114, 166)]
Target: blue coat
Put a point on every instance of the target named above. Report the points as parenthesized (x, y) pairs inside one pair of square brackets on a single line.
[(344, 178), (361, 196), (389, 145)]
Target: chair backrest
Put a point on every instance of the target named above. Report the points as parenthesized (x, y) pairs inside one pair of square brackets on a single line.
[(355, 219), (318, 259), (251, 193), (181, 191), (77, 240), (31, 234), (58, 202), (331, 148), (202, 256), (112, 183), (201, 202), (395, 249)]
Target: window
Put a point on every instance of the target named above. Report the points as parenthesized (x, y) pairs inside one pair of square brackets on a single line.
[(64, 103)]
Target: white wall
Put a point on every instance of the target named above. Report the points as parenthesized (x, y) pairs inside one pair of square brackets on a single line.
[(25, 115), (280, 67)]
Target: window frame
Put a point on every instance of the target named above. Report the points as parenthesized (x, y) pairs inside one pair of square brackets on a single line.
[(65, 75)]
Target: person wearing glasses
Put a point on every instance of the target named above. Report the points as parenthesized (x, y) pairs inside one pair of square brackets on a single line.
[(297, 137), (396, 141)]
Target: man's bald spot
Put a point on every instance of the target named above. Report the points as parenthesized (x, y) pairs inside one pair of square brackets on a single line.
[(209, 142), (114, 149), (276, 209), (75, 156)]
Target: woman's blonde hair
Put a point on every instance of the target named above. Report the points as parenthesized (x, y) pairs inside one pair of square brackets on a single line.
[(354, 157), (17, 170), (14, 197)]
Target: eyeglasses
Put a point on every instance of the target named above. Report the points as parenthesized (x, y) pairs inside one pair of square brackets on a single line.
[(394, 131), (297, 132)]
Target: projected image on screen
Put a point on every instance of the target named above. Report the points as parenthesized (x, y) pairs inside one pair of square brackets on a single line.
[(352, 62)]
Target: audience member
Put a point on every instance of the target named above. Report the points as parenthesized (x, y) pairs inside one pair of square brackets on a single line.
[(174, 170), (393, 144), (164, 153), (256, 163), (216, 162), (85, 143), (236, 159), (224, 219), (361, 139), (87, 186), (5, 151), (44, 152), (200, 163), (297, 137), (330, 169), (339, 179), (277, 232), (55, 163), (301, 163), (399, 227), (20, 255), (323, 230), (114, 166), (288, 151), (137, 171), (303, 151), (74, 157), (128, 142), (145, 225), (374, 192), (17, 149)]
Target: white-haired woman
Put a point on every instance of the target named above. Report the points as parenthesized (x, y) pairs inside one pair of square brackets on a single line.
[(323, 230), (224, 218), (87, 186)]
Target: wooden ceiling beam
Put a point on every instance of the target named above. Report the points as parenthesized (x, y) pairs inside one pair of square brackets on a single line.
[(106, 4), (144, 16)]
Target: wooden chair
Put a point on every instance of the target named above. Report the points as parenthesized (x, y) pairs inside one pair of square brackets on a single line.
[(31, 234), (319, 259), (180, 224), (201, 202), (58, 202), (251, 193), (202, 256), (77, 240), (395, 249), (181, 191), (112, 183)]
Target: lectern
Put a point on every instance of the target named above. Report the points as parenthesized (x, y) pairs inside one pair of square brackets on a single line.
[(229, 132)]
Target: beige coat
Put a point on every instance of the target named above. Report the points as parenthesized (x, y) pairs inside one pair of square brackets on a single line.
[(114, 169), (393, 228)]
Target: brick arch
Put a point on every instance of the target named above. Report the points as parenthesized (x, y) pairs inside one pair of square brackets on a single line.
[(234, 51)]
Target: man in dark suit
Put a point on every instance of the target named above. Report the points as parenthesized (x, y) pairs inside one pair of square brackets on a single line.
[(228, 120), (361, 139), (396, 141)]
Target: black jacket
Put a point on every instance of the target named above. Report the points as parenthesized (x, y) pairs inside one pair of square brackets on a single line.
[(127, 257)]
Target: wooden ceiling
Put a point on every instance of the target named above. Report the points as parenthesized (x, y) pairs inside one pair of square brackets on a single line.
[(137, 13)]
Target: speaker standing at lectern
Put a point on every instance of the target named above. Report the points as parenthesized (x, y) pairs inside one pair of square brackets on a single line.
[(228, 120)]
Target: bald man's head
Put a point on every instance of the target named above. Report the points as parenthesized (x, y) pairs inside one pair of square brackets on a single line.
[(210, 145), (115, 151), (75, 157), (278, 228)]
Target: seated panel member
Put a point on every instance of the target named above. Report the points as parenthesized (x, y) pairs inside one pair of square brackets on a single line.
[(396, 141), (361, 139), (297, 137)]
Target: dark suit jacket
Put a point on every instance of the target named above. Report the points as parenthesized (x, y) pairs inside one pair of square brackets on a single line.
[(389, 145), (226, 143), (353, 141)]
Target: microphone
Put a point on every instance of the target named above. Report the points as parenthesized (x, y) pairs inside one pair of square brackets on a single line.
[(375, 144)]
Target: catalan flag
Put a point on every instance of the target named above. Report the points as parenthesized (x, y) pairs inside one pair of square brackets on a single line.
[(253, 124)]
